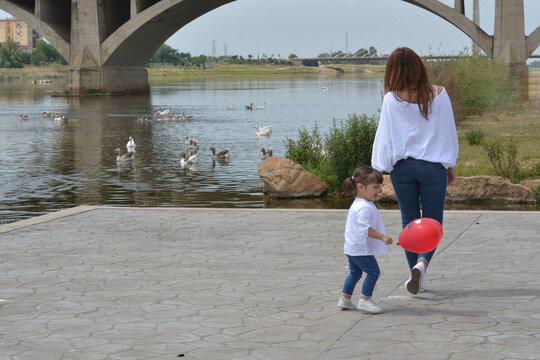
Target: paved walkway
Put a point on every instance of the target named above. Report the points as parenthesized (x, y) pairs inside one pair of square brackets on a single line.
[(100, 283)]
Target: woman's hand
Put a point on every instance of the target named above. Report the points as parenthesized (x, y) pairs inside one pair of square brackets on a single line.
[(451, 176)]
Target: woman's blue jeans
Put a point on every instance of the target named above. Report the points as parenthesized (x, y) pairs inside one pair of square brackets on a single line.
[(419, 183), (357, 265)]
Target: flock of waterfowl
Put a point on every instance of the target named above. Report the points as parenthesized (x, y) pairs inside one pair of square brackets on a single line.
[(190, 156)]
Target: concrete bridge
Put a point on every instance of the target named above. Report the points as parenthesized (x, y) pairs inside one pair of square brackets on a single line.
[(108, 42)]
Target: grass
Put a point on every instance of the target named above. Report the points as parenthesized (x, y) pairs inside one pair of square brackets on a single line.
[(34, 72), (522, 122), (228, 71)]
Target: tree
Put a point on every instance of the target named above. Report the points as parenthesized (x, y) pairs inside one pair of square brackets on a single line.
[(165, 54), (10, 57), (372, 51), (44, 53), (293, 56)]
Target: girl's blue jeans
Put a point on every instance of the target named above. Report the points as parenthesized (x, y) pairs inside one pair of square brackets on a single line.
[(357, 265), (419, 183)]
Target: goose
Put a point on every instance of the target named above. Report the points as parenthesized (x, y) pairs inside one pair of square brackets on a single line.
[(222, 155), (192, 146), (230, 107), (249, 107), (184, 160), (162, 112), (263, 130), (266, 153), (143, 119), (261, 107), (130, 146), (188, 117), (129, 156), (23, 117)]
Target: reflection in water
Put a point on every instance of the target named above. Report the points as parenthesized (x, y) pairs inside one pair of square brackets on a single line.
[(48, 165)]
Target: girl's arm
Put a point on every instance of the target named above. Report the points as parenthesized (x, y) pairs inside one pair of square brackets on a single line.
[(372, 233)]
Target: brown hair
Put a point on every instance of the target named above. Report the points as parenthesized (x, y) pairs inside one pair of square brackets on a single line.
[(406, 71), (364, 175)]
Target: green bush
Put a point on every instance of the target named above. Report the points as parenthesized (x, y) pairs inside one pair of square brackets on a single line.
[(475, 136), (502, 154), (350, 145), (346, 147), (475, 84)]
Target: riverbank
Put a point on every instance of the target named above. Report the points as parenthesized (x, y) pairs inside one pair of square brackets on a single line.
[(229, 71)]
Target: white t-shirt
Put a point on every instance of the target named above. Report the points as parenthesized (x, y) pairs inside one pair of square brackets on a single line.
[(403, 132), (362, 215)]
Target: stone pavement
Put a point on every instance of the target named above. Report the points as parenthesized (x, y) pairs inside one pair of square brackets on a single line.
[(100, 283)]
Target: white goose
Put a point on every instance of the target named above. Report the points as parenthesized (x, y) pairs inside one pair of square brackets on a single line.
[(129, 156), (184, 160), (230, 107), (130, 146), (261, 107), (263, 130)]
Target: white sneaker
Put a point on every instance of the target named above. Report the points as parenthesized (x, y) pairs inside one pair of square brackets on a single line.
[(369, 306), (417, 272), (422, 278), (345, 304)]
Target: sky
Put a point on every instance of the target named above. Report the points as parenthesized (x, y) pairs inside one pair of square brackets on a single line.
[(308, 28)]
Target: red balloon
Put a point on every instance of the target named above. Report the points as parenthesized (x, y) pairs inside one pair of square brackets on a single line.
[(436, 223), (421, 235)]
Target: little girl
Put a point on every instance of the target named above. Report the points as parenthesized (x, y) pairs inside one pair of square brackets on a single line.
[(365, 237)]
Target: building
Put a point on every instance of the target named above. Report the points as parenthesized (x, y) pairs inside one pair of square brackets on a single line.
[(16, 30)]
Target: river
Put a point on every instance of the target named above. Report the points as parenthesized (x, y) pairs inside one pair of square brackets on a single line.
[(47, 166)]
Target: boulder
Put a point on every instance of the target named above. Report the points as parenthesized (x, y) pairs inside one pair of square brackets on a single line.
[(482, 187), (282, 178)]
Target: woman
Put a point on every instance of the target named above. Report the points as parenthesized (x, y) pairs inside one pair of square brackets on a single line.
[(416, 143)]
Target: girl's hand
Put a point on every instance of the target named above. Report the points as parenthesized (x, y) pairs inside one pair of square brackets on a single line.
[(387, 240)]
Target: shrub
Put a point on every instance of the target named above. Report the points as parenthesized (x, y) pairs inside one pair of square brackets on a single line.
[(350, 145), (502, 154), (475, 136), (346, 147)]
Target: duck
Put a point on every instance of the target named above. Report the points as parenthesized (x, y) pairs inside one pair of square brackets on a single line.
[(263, 130), (261, 107), (23, 117), (222, 155), (184, 160), (130, 146), (266, 153), (129, 156), (249, 107)]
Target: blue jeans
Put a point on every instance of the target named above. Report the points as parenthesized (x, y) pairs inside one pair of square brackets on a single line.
[(418, 182), (357, 265)]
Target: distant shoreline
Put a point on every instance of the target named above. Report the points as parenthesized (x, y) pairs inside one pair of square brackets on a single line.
[(224, 71)]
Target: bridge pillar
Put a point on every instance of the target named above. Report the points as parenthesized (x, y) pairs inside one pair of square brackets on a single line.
[(509, 40), (90, 21)]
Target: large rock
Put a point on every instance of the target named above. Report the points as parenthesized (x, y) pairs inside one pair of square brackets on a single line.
[(283, 178), (482, 187)]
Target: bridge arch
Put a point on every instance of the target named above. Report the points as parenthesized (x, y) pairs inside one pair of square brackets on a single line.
[(456, 16), (149, 29)]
